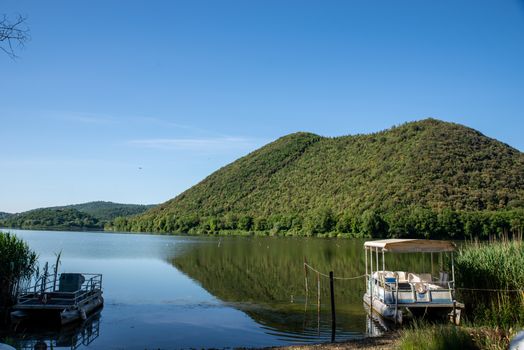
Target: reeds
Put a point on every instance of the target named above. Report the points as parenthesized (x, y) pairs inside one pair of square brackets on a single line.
[(17, 265), (491, 280), (423, 335)]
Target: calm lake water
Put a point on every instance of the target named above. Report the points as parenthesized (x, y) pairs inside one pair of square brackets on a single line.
[(173, 292)]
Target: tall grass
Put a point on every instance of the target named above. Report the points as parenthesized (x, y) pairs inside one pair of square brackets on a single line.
[(497, 268), (435, 337), (17, 265), (423, 335)]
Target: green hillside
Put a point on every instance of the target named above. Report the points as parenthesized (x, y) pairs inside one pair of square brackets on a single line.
[(48, 218), (105, 211), (420, 178), (92, 215), (4, 215)]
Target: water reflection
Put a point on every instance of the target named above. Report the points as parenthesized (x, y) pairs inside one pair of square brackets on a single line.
[(376, 325), (164, 292), (265, 278), (71, 337)]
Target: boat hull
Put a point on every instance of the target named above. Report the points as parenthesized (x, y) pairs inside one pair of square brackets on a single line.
[(388, 312), (399, 313), (60, 316), (82, 312)]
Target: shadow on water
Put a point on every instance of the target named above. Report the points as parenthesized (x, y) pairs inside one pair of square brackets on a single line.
[(43, 337)]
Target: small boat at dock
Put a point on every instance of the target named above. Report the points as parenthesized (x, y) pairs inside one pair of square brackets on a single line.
[(395, 295), (64, 298)]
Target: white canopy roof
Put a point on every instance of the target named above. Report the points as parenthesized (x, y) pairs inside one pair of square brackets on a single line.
[(411, 245)]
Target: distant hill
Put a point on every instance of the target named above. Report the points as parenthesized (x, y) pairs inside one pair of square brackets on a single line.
[(92, 215), (48, 218), (4, 215), (105, 211), (417, 178)]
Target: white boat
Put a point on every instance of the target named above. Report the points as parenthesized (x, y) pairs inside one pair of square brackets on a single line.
[(396, 295), (73, 298)]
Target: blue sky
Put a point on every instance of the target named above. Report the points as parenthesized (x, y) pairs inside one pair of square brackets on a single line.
[(181, 88)]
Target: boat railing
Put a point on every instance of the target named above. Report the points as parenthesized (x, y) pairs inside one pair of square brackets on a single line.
[(392, 284), (382, 281), (44, 286)]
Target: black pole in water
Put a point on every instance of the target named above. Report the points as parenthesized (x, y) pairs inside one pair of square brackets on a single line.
[(333, 318)]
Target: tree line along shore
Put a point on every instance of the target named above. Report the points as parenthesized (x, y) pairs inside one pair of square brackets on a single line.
[(412, 222)]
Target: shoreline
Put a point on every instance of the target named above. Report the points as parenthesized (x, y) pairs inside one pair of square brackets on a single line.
[(386, 341)]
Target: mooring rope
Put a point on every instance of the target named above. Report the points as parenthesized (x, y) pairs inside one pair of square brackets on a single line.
[(491, 290), (334, 277), (457, 288)]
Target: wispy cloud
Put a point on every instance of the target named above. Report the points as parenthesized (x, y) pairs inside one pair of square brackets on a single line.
[(170, 124), (198, 144), (134, 120), (92, 119), (84, 118)]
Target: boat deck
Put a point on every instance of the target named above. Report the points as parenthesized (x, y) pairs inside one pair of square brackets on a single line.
[(73, 290)]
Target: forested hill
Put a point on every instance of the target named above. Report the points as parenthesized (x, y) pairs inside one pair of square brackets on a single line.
[(53, 219), (4, 215), (92, 215), (105, 211), (306, 183)]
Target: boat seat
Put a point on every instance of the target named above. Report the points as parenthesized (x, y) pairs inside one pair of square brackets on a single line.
[(390, 277), (421, 277), (386, 277), (401, 276), (381, 274), (413, 278), (70, 282), (443, 277), (404, 286), (425, 277)]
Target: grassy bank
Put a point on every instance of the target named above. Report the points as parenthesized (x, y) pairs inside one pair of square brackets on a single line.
[(436, 337), (450, 337)]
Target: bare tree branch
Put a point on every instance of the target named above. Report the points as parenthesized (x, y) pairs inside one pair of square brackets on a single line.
[(13, 34)]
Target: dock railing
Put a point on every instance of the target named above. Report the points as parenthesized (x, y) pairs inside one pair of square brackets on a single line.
[(46, 291)]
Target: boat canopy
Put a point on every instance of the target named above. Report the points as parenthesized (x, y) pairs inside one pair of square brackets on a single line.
[(411, 245)]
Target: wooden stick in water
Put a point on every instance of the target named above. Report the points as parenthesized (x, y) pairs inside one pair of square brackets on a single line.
[(333, 317)]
